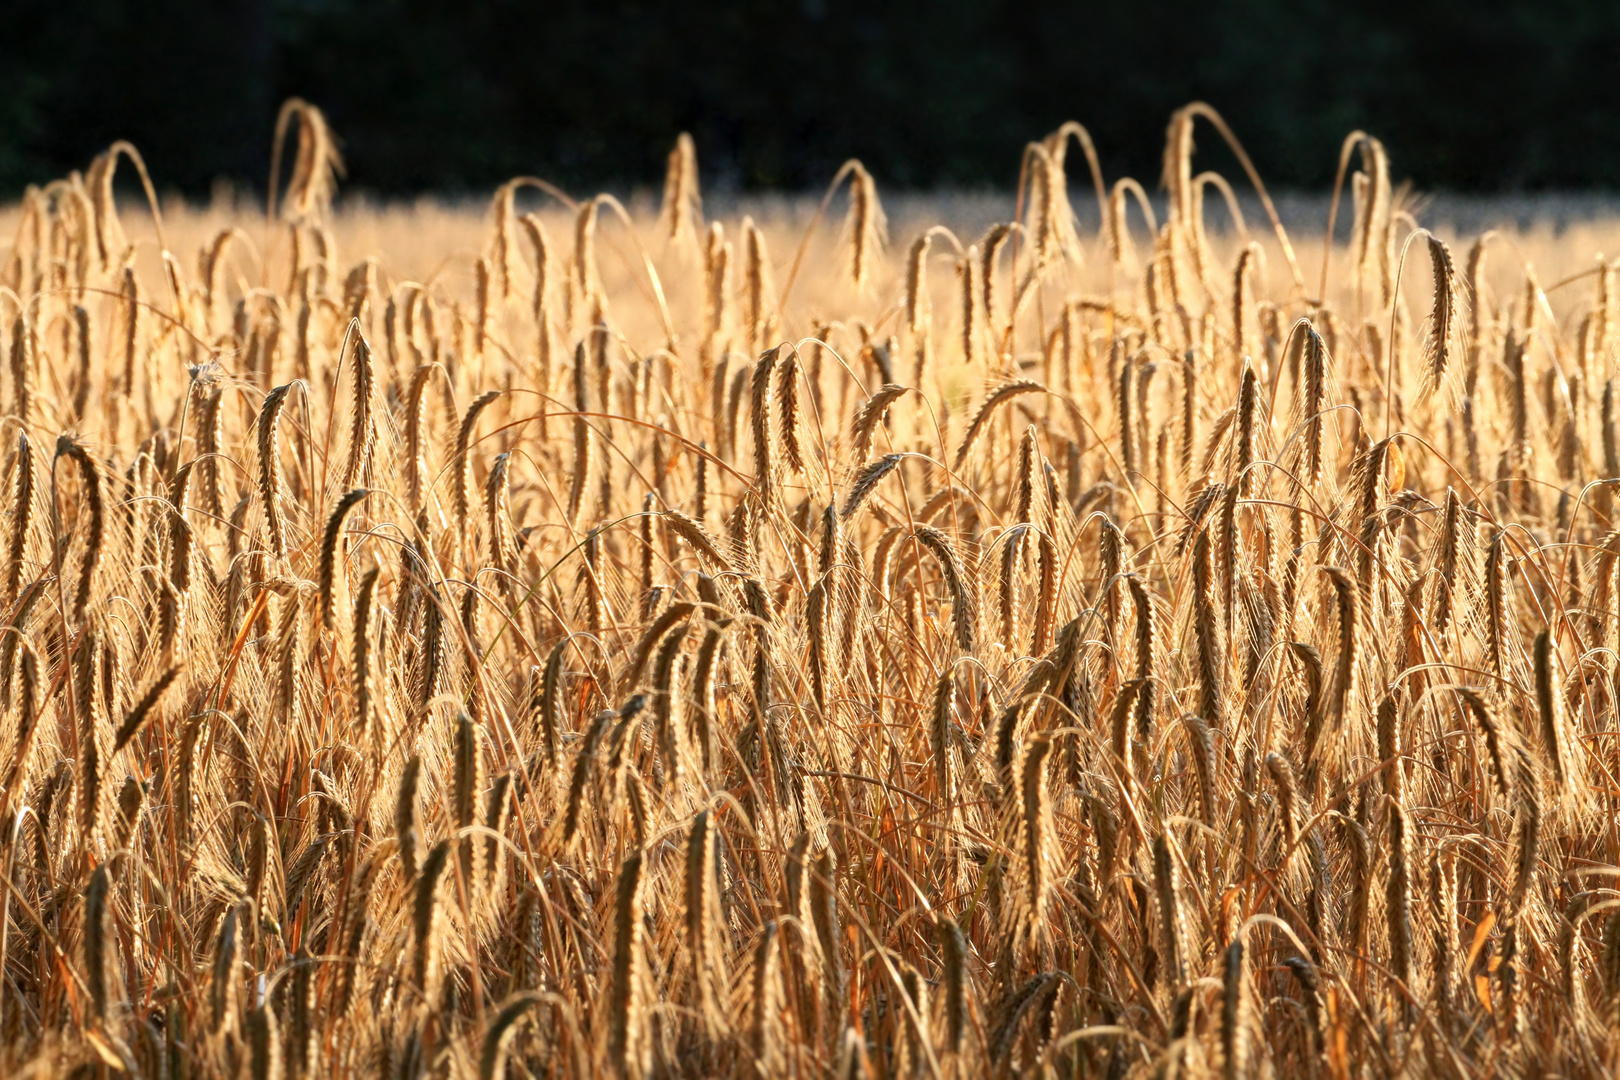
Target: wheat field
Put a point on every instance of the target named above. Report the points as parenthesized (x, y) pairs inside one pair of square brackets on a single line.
[(582, 640)]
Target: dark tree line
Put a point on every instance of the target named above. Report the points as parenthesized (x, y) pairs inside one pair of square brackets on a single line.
[(458, 94)]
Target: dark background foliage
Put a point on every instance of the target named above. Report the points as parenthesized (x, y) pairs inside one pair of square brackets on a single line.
[(458, 94)]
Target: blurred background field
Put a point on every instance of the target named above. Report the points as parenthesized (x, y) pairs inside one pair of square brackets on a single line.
[(438, 240)]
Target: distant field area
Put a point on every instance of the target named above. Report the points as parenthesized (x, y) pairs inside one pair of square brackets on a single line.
[(1557, 235)]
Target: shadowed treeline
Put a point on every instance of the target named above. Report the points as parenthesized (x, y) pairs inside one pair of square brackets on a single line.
[(434, 95)]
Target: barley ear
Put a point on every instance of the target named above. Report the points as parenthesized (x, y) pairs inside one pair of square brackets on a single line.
[(91, 478), (144, 708), (427, 921), (953, 948), (272, 481), (625, 1050), (501, 1031), (1443, 316), (99, 954)]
